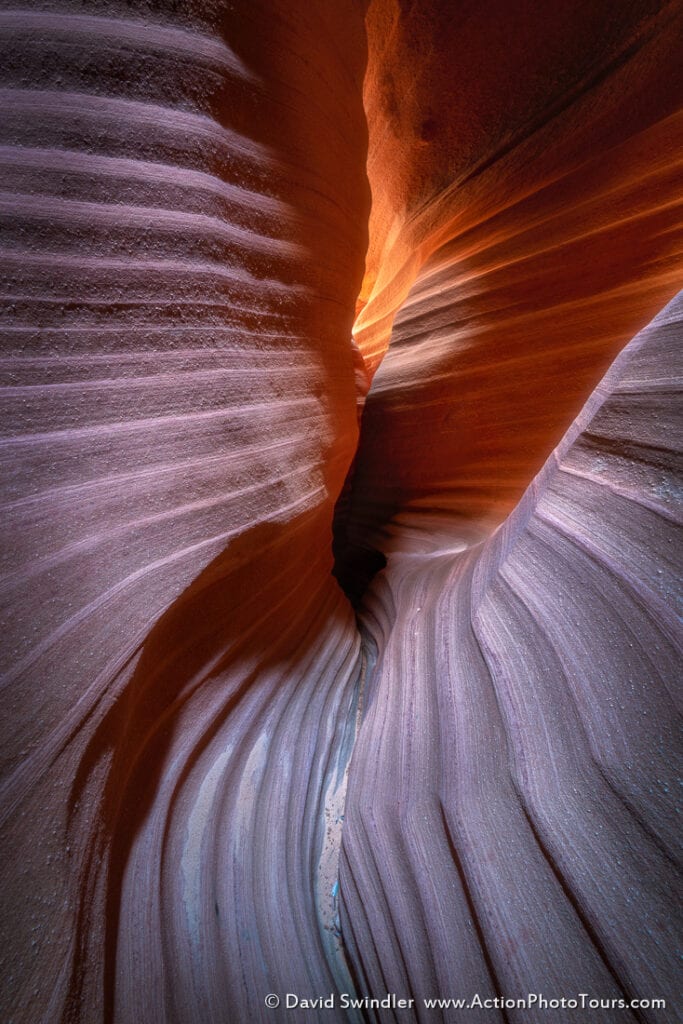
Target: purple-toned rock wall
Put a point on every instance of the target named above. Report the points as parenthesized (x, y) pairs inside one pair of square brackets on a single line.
[(220, 781)]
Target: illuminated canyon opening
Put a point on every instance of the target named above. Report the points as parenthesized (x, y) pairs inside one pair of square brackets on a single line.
[(232, 233)]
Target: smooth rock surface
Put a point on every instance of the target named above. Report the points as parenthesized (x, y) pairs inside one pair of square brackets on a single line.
[(511, 820), (525, 168), (218, 781), (185, 208)]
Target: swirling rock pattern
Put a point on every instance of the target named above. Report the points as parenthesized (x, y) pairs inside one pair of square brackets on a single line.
[(218, 781), (517, 248), (510, 822), (185, 218)]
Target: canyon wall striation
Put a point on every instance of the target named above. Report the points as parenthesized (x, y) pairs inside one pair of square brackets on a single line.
[(185, 218), (510, 819), (220, 779)]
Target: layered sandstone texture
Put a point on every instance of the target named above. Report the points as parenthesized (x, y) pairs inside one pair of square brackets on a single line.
[(526, 175), (219, 779), (510, 819), (185, 222)]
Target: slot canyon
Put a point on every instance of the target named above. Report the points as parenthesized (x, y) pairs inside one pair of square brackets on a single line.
[(341, 432)]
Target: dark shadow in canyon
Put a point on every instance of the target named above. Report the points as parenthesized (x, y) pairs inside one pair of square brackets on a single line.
[(355, 568), (355, 564)]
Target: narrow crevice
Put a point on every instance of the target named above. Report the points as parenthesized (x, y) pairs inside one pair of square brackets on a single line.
[(355, 565)]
